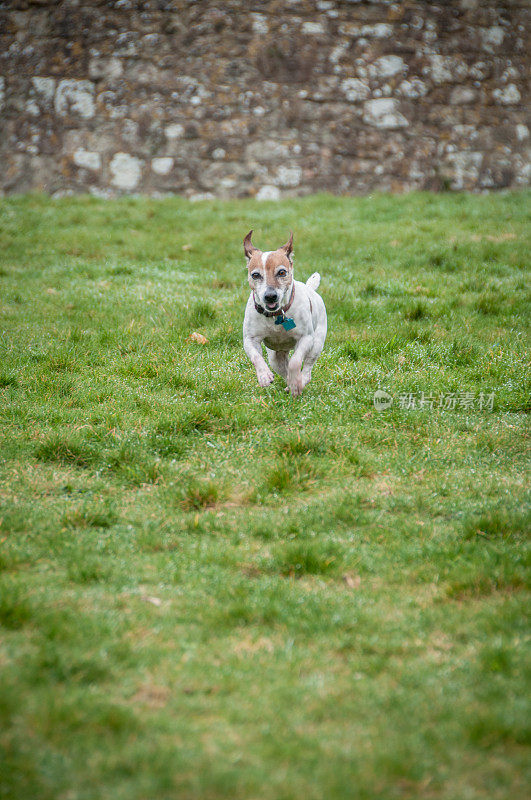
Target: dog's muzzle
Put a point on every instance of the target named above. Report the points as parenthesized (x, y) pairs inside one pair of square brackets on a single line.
[(267, 312), (271, 298)]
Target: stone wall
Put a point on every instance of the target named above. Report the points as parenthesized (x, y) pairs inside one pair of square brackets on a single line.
[(266, 99)]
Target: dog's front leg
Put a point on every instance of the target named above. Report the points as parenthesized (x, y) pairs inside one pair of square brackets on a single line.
[(295, 379), (253, 348)]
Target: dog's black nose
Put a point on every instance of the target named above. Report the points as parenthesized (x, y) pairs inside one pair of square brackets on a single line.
[(270, 296)]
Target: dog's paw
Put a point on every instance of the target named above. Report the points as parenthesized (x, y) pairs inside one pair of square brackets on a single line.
[(296, 387), (265, 377)]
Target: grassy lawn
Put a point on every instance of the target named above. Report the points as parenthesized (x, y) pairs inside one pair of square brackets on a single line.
[(210, 590)]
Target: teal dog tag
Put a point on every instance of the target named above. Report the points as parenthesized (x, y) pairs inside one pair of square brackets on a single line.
[(286, 322)]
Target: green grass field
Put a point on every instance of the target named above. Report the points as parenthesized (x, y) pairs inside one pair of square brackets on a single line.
[(210, 590)]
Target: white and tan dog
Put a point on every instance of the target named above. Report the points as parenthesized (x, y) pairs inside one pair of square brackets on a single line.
[(283, 313)]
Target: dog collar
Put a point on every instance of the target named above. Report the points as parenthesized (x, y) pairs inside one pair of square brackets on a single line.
[(281, 319)]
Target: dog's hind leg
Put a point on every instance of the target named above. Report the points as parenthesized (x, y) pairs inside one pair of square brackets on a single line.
[(278, 361), (313, 355), (309, 361)]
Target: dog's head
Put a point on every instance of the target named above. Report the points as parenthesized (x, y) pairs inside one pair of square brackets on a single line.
[(270, 273)]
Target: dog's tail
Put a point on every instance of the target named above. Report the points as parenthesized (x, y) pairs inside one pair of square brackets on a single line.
[(313, 281)]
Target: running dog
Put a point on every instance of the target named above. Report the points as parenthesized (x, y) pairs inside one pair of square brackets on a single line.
[(274, 293)]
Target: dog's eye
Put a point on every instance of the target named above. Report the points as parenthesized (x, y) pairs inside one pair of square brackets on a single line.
[(255, 276), (281, 273)]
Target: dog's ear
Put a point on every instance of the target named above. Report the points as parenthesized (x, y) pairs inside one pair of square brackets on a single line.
[(288, 247), (248, 246)]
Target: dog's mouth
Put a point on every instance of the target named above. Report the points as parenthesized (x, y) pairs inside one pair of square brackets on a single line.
[(272, 306)]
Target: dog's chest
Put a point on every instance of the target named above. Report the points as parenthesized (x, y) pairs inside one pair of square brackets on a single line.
[(279, 340)]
